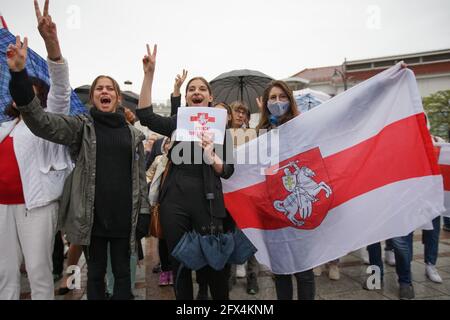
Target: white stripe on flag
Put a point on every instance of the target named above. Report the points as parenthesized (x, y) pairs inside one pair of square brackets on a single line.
[(345, 120), (346, 228)]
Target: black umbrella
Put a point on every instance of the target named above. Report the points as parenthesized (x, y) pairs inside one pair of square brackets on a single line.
[(129, 98), (240, 85)]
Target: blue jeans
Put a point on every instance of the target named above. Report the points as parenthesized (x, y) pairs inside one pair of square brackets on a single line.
[(403, 250), (447, 222), (389, 245), (375, 257), (430, 240)]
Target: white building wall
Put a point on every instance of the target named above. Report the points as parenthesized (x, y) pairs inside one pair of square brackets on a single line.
[(429, 85)]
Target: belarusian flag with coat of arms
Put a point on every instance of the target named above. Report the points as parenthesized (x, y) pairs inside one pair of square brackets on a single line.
[(358, 169)]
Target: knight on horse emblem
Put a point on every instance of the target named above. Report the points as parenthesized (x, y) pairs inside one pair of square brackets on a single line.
[(303, 192)]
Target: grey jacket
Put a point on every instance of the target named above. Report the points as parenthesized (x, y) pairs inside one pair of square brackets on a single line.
[(76, 212)]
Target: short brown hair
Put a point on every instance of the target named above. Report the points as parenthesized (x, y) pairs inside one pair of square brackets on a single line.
[(239, 105)]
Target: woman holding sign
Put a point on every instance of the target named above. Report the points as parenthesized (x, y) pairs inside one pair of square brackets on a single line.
[(183, 203)]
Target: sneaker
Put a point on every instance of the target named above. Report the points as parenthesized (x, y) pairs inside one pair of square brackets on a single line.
[(157, 268), (432, 273), (364, 256), (240, 271), (317, 271), (170, 278), (164, 278), (202, 292), (389, 257), (252, 284), (333, 272), (406, 292)]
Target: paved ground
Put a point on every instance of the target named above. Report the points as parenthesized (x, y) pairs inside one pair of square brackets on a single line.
[(352, 269)]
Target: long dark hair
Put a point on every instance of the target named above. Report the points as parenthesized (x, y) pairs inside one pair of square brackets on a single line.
[(205, 82), (264, 122)]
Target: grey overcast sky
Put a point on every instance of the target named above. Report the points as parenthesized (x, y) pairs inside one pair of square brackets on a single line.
[(208, 37)]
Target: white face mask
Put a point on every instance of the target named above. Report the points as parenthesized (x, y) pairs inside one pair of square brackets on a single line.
[(278, 108)]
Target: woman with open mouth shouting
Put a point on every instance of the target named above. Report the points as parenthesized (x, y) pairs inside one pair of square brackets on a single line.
[(105, 193), (183, 203)]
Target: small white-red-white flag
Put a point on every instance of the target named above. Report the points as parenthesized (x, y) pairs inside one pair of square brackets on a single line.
[(2, 22), (443, 150), (358, 169)]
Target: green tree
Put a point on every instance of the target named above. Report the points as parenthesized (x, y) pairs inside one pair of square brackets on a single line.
[(437, 108)]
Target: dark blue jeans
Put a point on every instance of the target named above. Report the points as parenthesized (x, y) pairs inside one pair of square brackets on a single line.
[(306, 287), (375, 258), (389, 245), (430, 240), (403, 250), (447, 222)]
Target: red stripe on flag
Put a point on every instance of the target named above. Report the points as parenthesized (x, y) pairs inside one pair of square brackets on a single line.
[(445, 171), (402, 150)]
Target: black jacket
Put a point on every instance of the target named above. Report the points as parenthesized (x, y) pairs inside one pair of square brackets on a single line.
[(165, 126)]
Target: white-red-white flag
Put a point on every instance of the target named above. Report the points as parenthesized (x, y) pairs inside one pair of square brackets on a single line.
[(358, 169), (443, 149)]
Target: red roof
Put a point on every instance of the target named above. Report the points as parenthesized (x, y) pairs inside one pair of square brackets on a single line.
[(318, 74)]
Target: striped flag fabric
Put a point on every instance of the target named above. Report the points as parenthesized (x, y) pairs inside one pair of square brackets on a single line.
[(444, 166), (358, 169), (36, 67), (2, 22)]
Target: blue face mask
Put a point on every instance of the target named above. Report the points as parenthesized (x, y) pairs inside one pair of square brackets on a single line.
[(278, 108)]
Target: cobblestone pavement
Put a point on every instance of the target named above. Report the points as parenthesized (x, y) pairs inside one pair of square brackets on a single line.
[(348, 287)]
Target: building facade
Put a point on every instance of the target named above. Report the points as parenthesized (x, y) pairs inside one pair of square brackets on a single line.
[(432, 70)]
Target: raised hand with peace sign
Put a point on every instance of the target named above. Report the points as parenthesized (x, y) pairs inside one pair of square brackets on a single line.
[(16, 55), (149, 61), (179, 80), (48, 31)]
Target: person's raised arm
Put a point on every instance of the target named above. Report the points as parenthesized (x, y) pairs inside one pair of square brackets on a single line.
[(55, 128), (175, 97), (149, 63), (58, 100), (47, 29)]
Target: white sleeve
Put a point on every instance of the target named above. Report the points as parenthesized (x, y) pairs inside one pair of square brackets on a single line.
[(58, 100)]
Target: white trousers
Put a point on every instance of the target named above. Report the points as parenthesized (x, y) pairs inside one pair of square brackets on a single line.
[(29, 234)]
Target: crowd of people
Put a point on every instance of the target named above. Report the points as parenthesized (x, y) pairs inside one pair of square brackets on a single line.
[(94, 179)]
